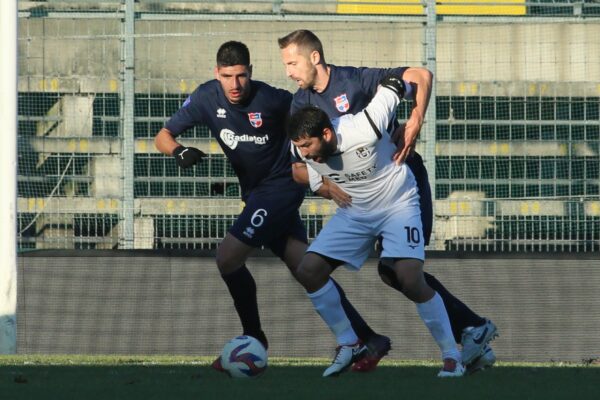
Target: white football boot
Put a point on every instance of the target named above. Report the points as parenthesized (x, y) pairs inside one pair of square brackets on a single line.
[(474, 339), (451, 369), (484, 361), (344, 357)]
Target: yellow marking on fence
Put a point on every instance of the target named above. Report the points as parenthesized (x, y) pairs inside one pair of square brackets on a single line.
[(114, 204), (453, 207), (169, 205), (72, 145), (530, 208), (214, 147), (532, 89), (142, 146), (465, 207), (445, 7), (100, 204), (462, 88), (183, 86), (474, 89), (41, 203), (113, 85), (504, 149), (326, 208), (312, 208), (31, 204), (594, 208), (563, 149), (83, 145)]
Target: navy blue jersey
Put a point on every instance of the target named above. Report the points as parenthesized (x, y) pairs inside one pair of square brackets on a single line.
[(252, 134), (349, 90)]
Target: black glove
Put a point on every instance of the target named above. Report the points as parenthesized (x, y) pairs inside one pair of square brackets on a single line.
[(187, 156), (394, 83)]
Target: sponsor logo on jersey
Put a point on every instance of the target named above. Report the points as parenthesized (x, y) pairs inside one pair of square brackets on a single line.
[(360, 175), (249, 232), (221, 113), (255, 119), (341, 103), (231, 139), (363, 152)]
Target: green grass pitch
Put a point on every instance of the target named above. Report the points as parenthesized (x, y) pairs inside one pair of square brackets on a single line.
[(167, 377)]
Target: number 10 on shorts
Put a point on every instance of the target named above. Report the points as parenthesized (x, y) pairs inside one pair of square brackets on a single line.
[(413, 235)]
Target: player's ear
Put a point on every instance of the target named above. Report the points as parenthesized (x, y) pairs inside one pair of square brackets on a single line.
[(217, 73), (327, 134), (315, 57)]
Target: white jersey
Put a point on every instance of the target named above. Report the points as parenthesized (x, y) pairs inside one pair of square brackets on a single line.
[(362, 165)]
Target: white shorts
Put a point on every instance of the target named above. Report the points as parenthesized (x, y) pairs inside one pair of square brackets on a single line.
[(351, 238)]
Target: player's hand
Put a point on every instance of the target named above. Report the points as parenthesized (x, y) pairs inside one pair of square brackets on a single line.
[(337, 194), (405, 137), (187, 156)]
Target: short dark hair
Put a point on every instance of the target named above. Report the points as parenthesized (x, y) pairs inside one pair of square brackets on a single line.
[(303, 38), (233, 53), (307, 122)]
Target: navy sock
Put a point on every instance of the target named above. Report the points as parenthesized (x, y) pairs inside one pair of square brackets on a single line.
[(242, 288), (459, 314), (362, 330)]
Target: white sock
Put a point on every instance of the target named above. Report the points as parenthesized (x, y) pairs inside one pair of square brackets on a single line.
[(329, 306), (434, 315)]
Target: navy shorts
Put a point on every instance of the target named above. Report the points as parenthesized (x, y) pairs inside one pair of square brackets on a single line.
[(269, 218), (416, 165)]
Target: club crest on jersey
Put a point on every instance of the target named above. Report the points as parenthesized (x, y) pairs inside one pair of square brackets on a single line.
[(255, 119), (363, 152), (221, 113), (341, 103)]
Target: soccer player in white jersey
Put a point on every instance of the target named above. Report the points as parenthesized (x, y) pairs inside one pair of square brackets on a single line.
[(356, 152)]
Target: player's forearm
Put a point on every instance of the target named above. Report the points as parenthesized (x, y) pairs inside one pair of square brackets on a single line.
[(300, 173), (165, 143)]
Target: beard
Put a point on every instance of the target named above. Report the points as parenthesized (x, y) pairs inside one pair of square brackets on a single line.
[(327, 150)]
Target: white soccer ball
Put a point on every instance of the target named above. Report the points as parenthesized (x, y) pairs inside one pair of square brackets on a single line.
[(244, 357)]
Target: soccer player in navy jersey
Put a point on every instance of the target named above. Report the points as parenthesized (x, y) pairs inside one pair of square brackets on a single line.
[(347, 90), (247, 118)]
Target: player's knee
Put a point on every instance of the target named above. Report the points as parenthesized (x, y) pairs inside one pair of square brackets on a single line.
[(388, 276), (311, 277), (227, 264), (408, 273)]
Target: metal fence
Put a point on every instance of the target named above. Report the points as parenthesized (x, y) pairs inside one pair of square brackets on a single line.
[(511, 139)]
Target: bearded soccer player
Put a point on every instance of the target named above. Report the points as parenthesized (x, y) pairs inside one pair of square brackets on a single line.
[(357, 151), (347, 90), (247, 117)]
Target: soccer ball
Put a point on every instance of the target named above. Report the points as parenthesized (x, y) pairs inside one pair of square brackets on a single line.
[(244, 357)]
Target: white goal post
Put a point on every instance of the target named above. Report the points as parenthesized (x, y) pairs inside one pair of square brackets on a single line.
[(8, 177)]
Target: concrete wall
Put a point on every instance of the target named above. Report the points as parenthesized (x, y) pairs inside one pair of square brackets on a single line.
[(95, 302), (173, 56)]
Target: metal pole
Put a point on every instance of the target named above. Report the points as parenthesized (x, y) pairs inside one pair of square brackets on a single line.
[(429, 128), (8, 178), (127, 105)]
